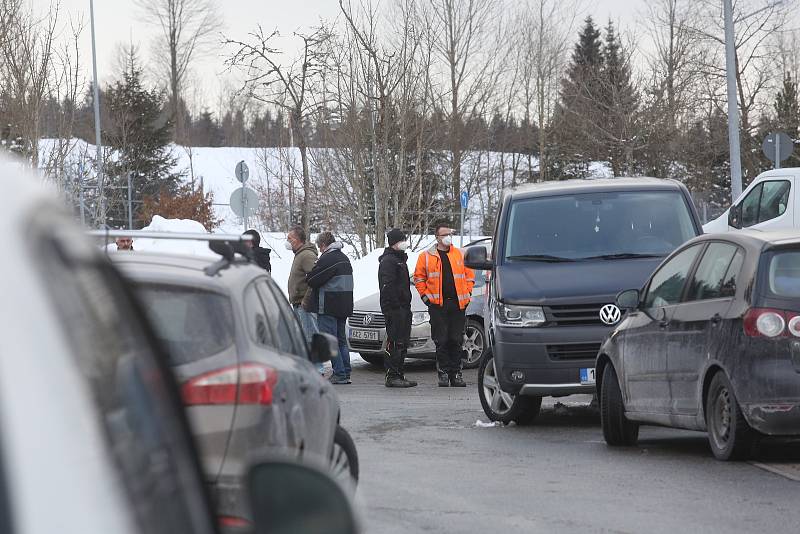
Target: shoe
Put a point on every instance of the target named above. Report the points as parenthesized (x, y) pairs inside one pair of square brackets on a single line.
[(338, 380), (444, 380), (457, 381), (399, 382)]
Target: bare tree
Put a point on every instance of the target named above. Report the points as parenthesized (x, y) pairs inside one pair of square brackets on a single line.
[(186, 28)]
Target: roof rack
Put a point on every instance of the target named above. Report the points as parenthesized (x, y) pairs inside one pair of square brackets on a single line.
[(226, 245)]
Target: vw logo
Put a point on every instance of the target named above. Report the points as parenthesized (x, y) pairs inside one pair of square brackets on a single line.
[(610, 314), (368, 318)]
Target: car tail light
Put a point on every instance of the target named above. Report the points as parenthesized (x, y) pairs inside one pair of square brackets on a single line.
[(252, 382), (768, 322), (226, 521)]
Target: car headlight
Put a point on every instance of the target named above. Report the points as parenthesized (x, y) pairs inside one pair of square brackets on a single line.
[(520, 316), (417, 318)]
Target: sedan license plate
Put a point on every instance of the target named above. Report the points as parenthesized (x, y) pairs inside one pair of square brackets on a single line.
[(365, 335), (587, 375)]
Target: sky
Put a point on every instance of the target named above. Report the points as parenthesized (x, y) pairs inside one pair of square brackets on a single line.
[(119, 22)]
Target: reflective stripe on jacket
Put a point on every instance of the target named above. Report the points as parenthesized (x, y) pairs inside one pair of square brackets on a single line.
[(428, 276)]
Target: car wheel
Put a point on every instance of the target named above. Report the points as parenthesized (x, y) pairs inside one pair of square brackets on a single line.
[(499, 405), (617, 429), (474, 344), (729, 435), (373, 359), (344, 457)]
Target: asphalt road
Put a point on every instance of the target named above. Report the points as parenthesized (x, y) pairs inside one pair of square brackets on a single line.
[(426, 467)]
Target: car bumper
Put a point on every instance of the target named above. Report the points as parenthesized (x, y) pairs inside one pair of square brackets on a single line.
[(421, 344), (548, 358), (777, 418)]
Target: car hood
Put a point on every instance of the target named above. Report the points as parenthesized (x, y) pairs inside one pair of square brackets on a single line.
[(539, 282), (372, 303), (718, 225)]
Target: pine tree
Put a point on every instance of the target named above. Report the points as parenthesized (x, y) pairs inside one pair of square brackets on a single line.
[(578, 113), (787, 107), (619, 105), (138, 133)]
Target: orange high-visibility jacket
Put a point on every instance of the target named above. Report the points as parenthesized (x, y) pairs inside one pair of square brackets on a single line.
[(428, 276)]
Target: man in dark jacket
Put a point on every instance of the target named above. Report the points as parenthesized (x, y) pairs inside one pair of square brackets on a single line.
[(394, 282), (261, 255), (331, 282)]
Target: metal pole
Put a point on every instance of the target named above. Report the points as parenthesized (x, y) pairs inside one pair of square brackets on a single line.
[(98, 140), (130, 202), (462, 228), (733, 109), (80, 194), (777, 152)]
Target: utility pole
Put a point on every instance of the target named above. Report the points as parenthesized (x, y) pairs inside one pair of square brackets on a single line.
[(130, 202), (98, 140), (733, 107)]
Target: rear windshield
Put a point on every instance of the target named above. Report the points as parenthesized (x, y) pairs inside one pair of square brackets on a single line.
[(191, 323), (599, 224), (784, 274)]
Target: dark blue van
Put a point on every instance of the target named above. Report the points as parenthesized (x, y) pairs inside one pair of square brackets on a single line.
[(562, 251)]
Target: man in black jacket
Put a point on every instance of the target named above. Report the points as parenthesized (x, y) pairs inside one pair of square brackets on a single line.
[(261, 255), (331, 283), (394, 282)]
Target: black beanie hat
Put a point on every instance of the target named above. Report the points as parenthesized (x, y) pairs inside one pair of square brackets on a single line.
[(256, 237), (395, 235)]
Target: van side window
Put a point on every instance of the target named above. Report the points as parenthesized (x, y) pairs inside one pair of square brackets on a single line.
[(708, 280), (766, 201), (666, 286)]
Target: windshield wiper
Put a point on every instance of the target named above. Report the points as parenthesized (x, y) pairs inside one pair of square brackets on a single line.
[(540, 257), (622, 256)]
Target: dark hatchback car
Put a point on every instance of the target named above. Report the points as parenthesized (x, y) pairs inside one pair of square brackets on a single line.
[(562, 251), (711, 343)]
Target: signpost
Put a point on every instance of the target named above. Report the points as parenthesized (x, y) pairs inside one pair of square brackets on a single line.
[(464, 204), (244, 203), (242, 172), (777, 147)]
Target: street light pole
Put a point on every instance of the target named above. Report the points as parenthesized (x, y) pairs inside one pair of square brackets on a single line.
[(733, 108), (98, 140)]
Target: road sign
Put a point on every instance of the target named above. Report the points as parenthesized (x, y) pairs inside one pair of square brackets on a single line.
[(777, 147), (244, 202), (464, 200), (242, 171)]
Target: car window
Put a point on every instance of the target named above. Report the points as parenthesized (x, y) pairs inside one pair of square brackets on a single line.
[(299, 343), (667, 284), (191, 323), (282, 336), (256, 318), (784, 274), (731, 278), (707, 282), (774, 198), (118, 359), (750, 206)]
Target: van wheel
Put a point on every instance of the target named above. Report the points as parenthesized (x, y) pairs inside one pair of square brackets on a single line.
[(499, 405), (617, 429), (474, 346), (372, 359), (729, 435), (344, 457)]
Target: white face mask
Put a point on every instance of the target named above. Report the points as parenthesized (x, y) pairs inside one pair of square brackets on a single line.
[(288, 245), (402, 245), (447, 240)]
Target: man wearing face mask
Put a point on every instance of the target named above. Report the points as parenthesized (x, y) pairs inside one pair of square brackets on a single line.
[(395, 287), (445, 285)]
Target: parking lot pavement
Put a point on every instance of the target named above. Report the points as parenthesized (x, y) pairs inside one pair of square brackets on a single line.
[(426, 467)]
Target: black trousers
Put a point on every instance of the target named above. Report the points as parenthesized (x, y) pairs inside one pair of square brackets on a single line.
[(398, 334), (447, 331)]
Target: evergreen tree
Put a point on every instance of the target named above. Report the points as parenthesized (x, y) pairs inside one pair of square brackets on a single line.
[(138, 132), (787, 113)]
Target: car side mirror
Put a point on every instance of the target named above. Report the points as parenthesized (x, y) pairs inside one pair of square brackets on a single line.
[(628, 299), (476, 258), (324, 347), (735, 217), (287, 497)]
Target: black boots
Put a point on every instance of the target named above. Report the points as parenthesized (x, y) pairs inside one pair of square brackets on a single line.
[(444, 379), (456, 380), (398, 381)]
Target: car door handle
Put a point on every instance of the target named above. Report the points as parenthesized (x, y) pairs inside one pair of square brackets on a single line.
[(716, 319)]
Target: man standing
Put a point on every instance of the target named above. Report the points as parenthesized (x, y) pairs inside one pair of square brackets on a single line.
[(331, 282), (395, 287), (445, 285), (261, 255), (305, 255)]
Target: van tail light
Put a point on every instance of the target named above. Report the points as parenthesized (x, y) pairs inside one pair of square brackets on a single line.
[(768, 322), (251, 383)]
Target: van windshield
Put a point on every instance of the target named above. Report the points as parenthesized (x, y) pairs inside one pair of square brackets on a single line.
[(613, 225)]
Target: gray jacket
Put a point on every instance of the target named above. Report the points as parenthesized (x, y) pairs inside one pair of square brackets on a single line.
[(304, 259)]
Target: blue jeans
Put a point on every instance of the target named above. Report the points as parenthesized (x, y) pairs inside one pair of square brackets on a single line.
[(308, 322), (334, 326)]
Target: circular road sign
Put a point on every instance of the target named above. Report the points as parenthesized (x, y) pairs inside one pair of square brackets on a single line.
[(244, 202), (785, 146), (242, 171)]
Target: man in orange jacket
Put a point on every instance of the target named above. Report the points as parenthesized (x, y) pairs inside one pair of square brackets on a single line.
[(445, 285)]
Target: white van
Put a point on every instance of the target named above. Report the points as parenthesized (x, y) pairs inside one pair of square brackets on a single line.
[(770, 202)]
